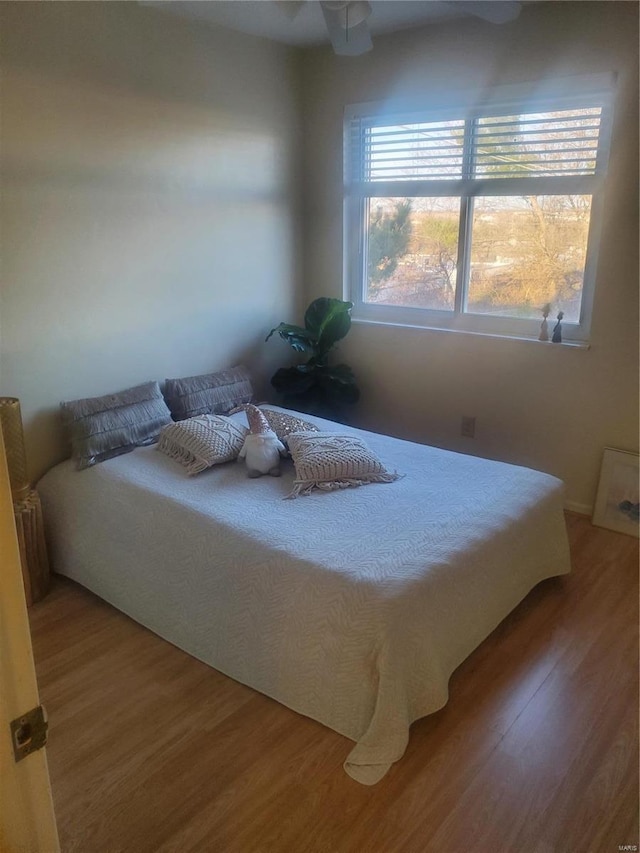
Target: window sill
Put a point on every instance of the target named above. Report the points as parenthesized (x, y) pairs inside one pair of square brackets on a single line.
[(583, 345)]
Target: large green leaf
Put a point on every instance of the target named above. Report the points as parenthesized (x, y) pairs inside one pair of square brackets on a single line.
[(300, 339), (327, 320)]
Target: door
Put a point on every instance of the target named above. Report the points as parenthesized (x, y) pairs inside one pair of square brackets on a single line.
[(27, 821)]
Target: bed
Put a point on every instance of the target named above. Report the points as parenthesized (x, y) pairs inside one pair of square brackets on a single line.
[(351, 607)]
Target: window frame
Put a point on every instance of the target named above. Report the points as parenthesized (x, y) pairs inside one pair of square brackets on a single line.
[(565, 93)]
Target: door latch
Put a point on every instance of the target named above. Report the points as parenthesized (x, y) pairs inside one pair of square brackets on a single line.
[(29, 732)]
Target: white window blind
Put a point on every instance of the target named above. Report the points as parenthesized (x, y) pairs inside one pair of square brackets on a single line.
[(542, 144), (534, 145)]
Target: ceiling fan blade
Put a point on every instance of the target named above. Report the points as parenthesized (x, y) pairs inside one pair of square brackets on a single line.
[(489, 10), (289, 7), (346, 41)]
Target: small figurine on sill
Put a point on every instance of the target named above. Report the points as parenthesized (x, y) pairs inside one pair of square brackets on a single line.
[(544, 328), (262, 448), (556, 338)]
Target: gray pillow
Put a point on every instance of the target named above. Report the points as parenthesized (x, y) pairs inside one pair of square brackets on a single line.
[(208, 394), (102, 427)]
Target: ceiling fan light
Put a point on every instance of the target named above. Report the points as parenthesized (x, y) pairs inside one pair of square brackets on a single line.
[(350, 13), (357, 12)]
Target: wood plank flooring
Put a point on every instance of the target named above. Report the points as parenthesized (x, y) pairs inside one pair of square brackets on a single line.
[(151, 751)]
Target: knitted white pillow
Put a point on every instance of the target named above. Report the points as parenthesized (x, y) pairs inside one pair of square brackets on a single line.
[(203, 441), (328, 461)]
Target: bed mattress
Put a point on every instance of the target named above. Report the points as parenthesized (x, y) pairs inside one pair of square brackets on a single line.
[(352, 607)]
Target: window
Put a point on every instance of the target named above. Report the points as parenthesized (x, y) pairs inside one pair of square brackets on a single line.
[(473, 218)]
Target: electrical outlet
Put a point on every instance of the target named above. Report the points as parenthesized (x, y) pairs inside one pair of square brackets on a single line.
[(468, 427)]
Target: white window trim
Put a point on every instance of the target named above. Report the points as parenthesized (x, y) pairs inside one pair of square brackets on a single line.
[(576, 92)]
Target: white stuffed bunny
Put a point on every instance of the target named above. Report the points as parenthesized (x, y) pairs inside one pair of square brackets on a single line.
[(262, 448)]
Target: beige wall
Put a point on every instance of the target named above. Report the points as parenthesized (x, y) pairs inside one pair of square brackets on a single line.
[(149, 223), (552, 408), (149, 204)]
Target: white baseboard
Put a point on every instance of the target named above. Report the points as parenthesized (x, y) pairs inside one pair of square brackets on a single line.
[(583, 509)]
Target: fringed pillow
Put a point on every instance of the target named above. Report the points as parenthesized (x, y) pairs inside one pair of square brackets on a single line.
[(100, 428), (201, 442), (328, 461), (208, 394)]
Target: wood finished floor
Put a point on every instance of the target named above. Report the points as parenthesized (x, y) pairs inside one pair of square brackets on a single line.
[(536, 751)]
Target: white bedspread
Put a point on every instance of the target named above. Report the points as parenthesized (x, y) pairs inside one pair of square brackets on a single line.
[(351, 607)]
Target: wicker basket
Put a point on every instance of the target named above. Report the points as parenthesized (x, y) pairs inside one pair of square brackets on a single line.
[(11, 424), (26, 504)]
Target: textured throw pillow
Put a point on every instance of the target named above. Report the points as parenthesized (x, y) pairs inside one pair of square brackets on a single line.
[(328, 461), (283, 424), (208, 394), (103, 427), (203, 441)]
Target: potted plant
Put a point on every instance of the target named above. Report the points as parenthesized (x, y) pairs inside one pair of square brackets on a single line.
[(316, 387)]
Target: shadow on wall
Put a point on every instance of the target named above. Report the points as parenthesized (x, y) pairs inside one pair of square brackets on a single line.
[(70, 134)]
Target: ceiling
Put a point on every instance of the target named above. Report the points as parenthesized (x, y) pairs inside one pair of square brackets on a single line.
[(301, 23)]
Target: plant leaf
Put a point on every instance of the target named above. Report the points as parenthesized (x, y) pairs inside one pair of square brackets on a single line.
[(297, 337), (327, 320)]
